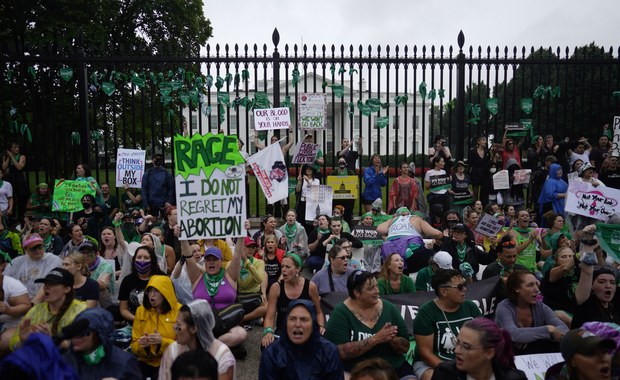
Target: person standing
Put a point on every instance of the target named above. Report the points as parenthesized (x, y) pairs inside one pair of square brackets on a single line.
[(349, 154), (157, 188), (375, 177), (479, 160), (13, 164)]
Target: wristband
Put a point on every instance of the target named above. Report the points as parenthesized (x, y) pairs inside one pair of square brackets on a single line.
[(188, 257), (267, 330), (117, 224)]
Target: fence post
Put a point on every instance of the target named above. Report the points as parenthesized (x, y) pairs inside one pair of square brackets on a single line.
[(275, 38), (82, 76), (460, 97)]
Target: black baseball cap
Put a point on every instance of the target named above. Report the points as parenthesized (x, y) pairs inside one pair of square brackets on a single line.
[(57, 276)]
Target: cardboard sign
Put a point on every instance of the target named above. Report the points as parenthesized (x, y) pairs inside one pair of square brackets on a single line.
[(210, 186), (130, 167), (501, 180), (572, 175), (615, 141), (271, 172), (318, 201), (306, 153), (522, 176), (488, 225), (594, 202), (535, 366), (312, 111), (345, 187), (68, 195), (272, 118), (440, 182)]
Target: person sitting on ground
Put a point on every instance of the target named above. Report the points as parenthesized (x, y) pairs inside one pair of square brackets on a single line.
[(194, 332), (465, 255), (14, 303), (333, 278), (329, 240), (93, 354), (57, 310), (533, 326), (295, 234), (483, 351), (439, 321), (373, 369), (440, 260), (272, 257), (391, 278), (506, 260), (86, 289), (301, 352), (252, 283), (153, 329), (365, 326)]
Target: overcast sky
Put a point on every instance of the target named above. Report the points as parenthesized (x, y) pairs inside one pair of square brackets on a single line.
[(415, 22)]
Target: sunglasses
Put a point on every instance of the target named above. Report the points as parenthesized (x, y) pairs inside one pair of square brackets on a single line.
[(460, 287), (343, 258)]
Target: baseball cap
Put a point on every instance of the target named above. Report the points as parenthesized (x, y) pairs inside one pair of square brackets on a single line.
[(213, 251), (248, 241), (462, 163), (580, 341), (443, 260), (460, 227), (57, 276), (32, 240), (87, 246), (584, 167)]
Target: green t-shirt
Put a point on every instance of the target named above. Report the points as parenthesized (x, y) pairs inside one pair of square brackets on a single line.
[(344, 327), (430, 320), (406, 286), (423, 280), (527, 257)]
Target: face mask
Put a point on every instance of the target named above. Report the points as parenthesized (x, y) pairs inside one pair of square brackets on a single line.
[(142, 267), (342, 165), (94, 357), (157, 162), (86, 204), (451, 224)]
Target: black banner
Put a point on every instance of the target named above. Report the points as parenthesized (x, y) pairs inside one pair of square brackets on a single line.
[(486, 294)]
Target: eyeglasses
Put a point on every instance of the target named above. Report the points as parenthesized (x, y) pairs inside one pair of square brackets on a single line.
[(460, 287), (36, 247), (346, 246), (466, 346), (343, 258)]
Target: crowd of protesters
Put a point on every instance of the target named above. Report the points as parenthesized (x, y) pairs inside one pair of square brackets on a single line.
[(115, 292)]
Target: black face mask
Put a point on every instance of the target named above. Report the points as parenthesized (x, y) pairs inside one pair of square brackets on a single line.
[(451, 223), (86, 205), (157, 162)]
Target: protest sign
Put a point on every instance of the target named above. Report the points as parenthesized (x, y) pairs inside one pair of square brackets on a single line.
[(312, 111), (210, 186), (535, 366), (305, 153), (488, 225), (522, 176), (318, 201), (501, 180), (486, 294), (440, 182), (68, 195), (615, 140), (345, 187), (271, 173), (130, 167), (595, 202), (572, 175), (609, 239), (272, 118)]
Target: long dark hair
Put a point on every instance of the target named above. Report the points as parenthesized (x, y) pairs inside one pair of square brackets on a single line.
[(154, 265), (491, 336), (63, 309)]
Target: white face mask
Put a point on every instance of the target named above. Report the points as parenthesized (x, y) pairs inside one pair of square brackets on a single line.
[(493, 170)]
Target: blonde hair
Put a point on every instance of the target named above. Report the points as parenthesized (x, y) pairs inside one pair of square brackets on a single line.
[(78, 258)]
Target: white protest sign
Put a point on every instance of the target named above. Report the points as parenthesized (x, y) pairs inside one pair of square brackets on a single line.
[(615, 141), (572, 175), (535, 366), (271, 173), (312, 111), (595, 202), (272, 118), (318, 201), (130, 167), (489, 225), (501, 180), (306, 153), (210, 186), (522, 176)]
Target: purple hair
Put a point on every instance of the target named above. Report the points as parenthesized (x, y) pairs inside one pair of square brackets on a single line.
[(492, 336)]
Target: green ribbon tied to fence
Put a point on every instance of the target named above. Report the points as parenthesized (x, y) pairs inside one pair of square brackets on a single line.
[(474, 110), (75, 138), (66, 73), (401, 99), (382, 122), (541, 91)]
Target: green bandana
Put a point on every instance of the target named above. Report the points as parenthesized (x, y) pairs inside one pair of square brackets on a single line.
[(243, 274), (522, 230), (94, 357), (461, 250), (323, 231), (212, 283), (289, 232)]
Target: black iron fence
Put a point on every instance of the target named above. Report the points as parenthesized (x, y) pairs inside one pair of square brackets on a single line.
[(75, 108)]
